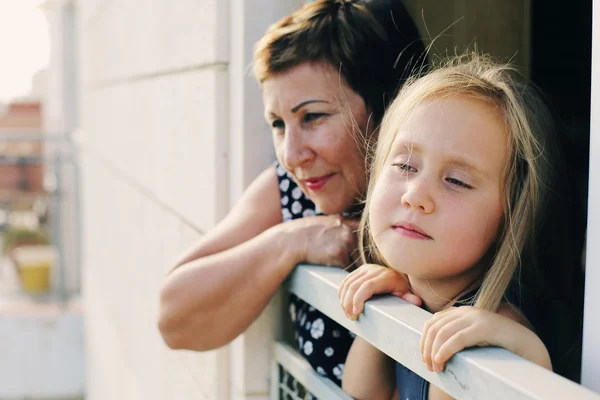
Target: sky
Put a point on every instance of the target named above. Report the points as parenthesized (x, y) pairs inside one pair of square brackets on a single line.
[(24, 46)]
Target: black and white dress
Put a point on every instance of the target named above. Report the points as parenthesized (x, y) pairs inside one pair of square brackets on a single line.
[(322, 341)]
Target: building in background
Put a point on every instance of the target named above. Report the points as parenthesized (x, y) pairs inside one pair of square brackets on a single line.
[(19, 176)]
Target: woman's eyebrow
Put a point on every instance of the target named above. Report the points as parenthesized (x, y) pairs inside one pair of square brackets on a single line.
[(299, 106)]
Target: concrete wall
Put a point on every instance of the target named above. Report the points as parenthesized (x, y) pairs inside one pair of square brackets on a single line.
[(171, 131)]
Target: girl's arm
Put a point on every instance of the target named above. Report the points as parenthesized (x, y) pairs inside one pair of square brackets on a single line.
[(368, 373), (223, 283)]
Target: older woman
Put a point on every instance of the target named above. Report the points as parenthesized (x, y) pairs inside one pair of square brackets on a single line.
[(327, 72)]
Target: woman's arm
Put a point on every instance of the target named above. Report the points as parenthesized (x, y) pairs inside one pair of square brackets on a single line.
[(221, 285), (368, 372)]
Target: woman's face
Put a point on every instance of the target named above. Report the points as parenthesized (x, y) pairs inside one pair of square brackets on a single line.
[(313, 115)]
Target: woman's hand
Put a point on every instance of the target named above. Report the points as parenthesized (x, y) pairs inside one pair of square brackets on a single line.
[(322, 240), (456, 328), (368, 280)]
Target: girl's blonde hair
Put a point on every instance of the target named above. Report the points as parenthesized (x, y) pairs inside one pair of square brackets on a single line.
[(528, 169)]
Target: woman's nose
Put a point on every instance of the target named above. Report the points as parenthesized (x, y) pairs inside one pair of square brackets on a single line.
[(296, 149), (418, 195)]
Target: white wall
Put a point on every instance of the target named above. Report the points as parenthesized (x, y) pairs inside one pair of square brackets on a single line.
[(171, 131)]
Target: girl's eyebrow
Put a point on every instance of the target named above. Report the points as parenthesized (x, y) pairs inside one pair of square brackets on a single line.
[(465, 164), (452, 160)]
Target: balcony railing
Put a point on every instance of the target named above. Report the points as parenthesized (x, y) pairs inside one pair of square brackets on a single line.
[(394, 327)]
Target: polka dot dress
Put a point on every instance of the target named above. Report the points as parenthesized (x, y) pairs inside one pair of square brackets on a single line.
[(322, 341)]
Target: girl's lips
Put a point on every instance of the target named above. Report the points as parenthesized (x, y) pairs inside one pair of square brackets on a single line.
[(411, 231), (317, 183)]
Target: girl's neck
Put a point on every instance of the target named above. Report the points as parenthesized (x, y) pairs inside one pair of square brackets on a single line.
[(438, 294)]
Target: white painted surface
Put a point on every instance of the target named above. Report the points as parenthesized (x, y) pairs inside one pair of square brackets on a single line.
[(129, 40), (591, 322), (153, 132), (130, 243), (394, 326), (166, 136), (42, 353)]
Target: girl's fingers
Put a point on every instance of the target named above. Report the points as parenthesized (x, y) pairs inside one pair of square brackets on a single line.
[(435, 318), (348, 280), (412, 298), (348, 300), (430, 331), (448, 328), (371, 286), (457, 342)]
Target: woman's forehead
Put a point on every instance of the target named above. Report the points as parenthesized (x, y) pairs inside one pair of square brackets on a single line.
[(306, 82)]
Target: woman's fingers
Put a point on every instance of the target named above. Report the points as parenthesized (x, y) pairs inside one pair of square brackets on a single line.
[(352, 223)]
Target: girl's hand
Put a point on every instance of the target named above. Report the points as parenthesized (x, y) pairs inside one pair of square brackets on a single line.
[(322, 240), (368, 280), (456, 328)]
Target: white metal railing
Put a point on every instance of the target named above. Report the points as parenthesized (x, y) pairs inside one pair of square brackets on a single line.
[(394, 326)]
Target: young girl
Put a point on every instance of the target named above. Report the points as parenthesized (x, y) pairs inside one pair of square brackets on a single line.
[(461, 177)]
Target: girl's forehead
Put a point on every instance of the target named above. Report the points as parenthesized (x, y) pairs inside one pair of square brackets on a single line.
[(453, 127)]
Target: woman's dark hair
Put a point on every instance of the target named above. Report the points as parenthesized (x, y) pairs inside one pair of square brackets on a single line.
[(374, 44)]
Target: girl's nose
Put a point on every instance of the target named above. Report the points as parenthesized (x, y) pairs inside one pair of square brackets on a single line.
[(418, 196), (296, 150)]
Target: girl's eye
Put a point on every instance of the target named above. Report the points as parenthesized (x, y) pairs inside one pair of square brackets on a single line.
[(459, 183), (405, 167), (310, 117), (277, 124)]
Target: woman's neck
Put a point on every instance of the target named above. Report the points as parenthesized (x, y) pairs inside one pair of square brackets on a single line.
[(438, 294)]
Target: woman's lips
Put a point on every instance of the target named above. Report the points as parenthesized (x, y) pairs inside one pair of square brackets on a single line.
[(317, 183), (411, 231)]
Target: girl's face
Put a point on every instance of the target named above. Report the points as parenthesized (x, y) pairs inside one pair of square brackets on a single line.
[(437, 204), (311, 111)]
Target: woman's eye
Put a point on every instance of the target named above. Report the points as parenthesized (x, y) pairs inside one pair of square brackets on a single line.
[(310, 117), (405, 167), (459, 183), (277, 124)]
